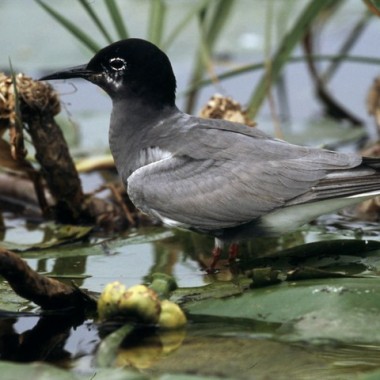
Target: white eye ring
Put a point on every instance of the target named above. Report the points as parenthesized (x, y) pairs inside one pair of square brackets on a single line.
[(117, 64)]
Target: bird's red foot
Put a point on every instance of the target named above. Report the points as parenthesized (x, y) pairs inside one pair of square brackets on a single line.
[(216, 252), (233, 252)]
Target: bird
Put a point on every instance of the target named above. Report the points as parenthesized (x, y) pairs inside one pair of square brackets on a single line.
[(215, 177)]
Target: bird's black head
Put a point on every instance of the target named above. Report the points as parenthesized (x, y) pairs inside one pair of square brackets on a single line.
[(129, 69)]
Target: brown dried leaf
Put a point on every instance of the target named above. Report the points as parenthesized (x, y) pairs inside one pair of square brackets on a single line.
[(373, 101), (221, 107)]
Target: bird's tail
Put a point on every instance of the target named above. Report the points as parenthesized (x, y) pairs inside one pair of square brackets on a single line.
[(362, 181)]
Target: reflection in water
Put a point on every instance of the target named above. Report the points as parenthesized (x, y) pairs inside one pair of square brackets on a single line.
[(142, 346), (184, 255), (73, 266), (45, 341), (140, 253), (187, 246), (212, 346), (242, 358)]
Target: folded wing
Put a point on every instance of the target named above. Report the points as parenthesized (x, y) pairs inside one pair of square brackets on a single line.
[(220, 178)]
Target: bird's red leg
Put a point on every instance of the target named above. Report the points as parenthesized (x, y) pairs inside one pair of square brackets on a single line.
[(233, 252), (216, 252)]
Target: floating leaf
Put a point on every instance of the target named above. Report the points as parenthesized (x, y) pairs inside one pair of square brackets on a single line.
[(52, 236), (344, 310)]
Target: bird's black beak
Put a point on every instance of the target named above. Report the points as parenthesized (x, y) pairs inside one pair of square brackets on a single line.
[(74, 72)]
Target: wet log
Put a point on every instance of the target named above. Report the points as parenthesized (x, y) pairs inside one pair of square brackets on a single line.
[(46, 292)]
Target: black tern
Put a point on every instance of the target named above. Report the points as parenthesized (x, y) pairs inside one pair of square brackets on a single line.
[(224, 179)]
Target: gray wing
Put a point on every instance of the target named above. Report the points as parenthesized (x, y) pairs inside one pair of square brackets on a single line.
[(220, 177)]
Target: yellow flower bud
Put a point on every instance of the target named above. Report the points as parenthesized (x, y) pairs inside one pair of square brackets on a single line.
[(172, 316), (108, 303), (141, 304)]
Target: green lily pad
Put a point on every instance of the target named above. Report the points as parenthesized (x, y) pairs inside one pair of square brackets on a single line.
[(48, 236), (41, 371), (9, 300), (321, 259), (345, 310)]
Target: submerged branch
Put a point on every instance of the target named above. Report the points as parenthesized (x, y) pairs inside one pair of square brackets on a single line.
[(43, 291)]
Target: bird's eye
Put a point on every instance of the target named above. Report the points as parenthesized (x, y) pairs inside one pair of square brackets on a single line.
[(117, 64)]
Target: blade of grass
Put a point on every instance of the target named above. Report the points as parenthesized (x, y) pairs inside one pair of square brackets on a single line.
[(220, 16), (284, 12), (310, 12), (71, 27), (205, 56), (373, 6), (212, 20), (90, 11), (261, 65), (201, 5), (268, 67), (350, 41), (118, 22), (17, 100), (156, 21), (204, 51)]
